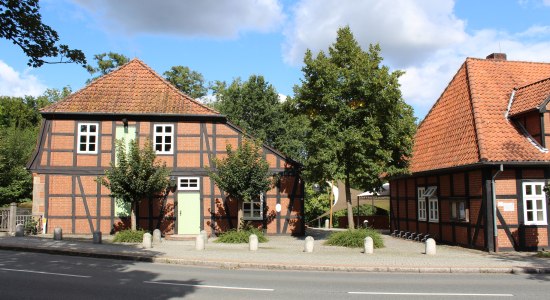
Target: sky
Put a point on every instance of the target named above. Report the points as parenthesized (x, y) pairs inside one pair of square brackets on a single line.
[(227, 39)]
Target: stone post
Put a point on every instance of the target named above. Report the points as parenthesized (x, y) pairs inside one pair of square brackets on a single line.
[(97, 237), (369, 245), (430, 247), (147, 240), (13, 217), (156, 236), (58, 234), (253, 242), (308, 247), (19, 230), (326, 223), (204, 236), (199, 242)]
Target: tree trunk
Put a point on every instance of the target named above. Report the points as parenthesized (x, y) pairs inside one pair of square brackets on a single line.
[(133, 222), (351, 225)]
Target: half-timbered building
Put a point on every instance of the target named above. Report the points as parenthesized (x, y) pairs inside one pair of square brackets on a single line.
[(77, 144), (480, 160)]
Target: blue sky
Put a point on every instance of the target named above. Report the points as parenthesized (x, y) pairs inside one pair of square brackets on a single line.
[(225, 39)]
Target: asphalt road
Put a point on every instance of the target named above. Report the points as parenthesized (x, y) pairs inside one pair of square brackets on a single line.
[(43, 276)]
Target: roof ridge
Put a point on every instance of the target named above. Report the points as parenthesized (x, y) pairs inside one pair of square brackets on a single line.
[(508, 61), (533, 83), (170, 85), (478, 124)]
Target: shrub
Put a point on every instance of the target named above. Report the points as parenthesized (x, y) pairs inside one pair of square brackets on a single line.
[(129, 236), (238, 237), (30, 227), (543, 254), (355, 238)]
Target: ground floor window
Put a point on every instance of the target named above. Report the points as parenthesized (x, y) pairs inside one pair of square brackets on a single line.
[(254, 209), (459, 211), (428, 195), (534, 203)]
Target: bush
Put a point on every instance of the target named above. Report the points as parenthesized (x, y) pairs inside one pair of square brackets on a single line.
[(543, 254), (129, 236), (239, 237), (355, 238), (30, 227)]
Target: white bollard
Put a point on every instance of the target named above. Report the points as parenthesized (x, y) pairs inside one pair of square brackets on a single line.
[(310, 242), (326, 223), (253, 242), (156, 236), (19, 230), (58, 234), (369, 245), (199, 242), (430, 247), (147, 240), (204, 236)]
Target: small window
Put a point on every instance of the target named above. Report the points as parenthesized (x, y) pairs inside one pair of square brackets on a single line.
[(87, 138), (163, 138), (254, 210), (428, 195), (188, 184), (421, 204), (534, 203), (459, 211)]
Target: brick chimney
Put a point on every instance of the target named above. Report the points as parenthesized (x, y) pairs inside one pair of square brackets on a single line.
[(497, 56)]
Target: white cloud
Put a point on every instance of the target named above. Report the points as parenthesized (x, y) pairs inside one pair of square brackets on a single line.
[(408, 31), (546, 2), (225, 19), (15, 84)]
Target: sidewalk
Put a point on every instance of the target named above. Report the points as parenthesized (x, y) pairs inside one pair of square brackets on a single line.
[(286, 253)]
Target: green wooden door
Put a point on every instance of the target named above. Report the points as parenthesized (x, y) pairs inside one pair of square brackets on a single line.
[(189, 213), (127, 133)]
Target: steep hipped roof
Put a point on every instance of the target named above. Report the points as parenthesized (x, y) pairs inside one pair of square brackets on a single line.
[(133, 88), (467, 124), (530, 97)]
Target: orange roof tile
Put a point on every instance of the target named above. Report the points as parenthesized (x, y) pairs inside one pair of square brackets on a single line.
[(530, 97), (133, 88), (467, 124)]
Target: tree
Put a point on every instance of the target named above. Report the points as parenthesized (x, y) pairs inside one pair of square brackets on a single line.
[(361, 127), (187, 81), (243, 174), (252, 105), (106, 62), (316, 203), (21, 23), (136, 175)]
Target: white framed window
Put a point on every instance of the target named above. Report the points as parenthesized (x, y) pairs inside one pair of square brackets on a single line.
[(534, 203), (421, 204), (188, 184), (428, 194), (254, 210), (459, 212), (87, 138), (163, 138)]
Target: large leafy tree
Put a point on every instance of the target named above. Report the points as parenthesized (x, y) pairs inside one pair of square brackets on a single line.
[(106, 62), (186, 80), (136, 175), (361, 127), (243, 174), (21, 23), (253, 105)]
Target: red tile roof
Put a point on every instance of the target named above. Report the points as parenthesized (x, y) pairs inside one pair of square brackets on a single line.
[(467, 124), (133, 88), (530, 97)]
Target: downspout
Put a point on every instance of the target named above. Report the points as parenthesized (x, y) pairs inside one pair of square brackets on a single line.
[(494, 199)]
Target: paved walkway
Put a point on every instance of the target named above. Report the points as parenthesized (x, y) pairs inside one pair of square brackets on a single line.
[(282, 252)]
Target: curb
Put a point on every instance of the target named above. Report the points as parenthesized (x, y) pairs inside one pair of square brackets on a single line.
[(282, 267)]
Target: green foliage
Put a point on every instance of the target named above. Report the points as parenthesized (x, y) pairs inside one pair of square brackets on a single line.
[(129, 236), (242, 236), (361, 127), (244, 173), (315, 203), (364, 210), (545, 254), (136, 175), (30, 227), (21, 23), (252, 105), (106, 62), (355, 238), (188, 81)]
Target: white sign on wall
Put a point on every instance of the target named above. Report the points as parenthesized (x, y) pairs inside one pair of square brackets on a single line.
[(506, 206)]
